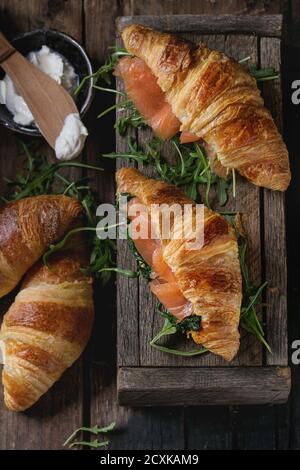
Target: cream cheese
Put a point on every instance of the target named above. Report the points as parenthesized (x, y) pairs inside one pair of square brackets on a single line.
[(70, 141), (49, 62)]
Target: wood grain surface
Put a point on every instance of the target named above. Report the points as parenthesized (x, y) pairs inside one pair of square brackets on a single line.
[(87, 393), (264, 25), (184, 386)]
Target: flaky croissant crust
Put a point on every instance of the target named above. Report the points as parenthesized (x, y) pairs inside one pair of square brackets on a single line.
[(215, 98), (46, 328), (210, 277), (27, 228)]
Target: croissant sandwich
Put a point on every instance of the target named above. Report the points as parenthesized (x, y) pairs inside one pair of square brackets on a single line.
[(46, 328), (205, 281), (178, 85), (27, 228)]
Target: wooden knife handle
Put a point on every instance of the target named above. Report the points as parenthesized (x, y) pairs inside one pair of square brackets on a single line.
[(6, 49)]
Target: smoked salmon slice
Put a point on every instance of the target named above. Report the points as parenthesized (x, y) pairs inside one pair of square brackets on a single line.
[(164, 286), (160, 267), (169, 294), (147, 245), (142, 88)]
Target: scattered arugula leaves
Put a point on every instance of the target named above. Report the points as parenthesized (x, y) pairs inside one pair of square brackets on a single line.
[(261, 75), (105, 71), (191, 323), (171, 327), (193, 166), (132, 119), (95, 430), (251, 299), (40, 177)]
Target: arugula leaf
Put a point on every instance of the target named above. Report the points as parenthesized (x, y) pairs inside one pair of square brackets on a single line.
[(40, 177), (93, 430), (193, 166), (260, 75), (169, 329), (251, 299), (263, 75), (95, 444), (133, 153), (105, 71), (132, 119), (191, 323)]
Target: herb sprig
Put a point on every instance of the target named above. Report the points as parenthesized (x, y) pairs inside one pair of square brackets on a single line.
[(192, 168), (95, 430), (260, 74), (40, 177), (170, 327), (37, 177), (251, 299), (105, 71)]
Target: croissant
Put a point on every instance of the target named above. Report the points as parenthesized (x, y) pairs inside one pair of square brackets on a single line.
[(27, 228), (213, 97), (205, 282), (46, 328)]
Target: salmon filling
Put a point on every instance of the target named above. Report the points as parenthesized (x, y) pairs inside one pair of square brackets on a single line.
[(164, 284), (142, 88)]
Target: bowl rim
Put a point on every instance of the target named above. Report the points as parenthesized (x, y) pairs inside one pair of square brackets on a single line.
[(90, 91)]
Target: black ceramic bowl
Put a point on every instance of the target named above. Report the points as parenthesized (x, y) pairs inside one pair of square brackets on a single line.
[(71, 50)]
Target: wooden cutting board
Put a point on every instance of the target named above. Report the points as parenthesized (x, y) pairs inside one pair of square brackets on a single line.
[(147, 376)]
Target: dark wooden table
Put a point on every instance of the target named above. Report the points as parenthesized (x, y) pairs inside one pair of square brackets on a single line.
[(86, 395)]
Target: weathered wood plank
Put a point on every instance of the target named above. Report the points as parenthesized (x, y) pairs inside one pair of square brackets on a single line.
[(61, 409), (141, 386), (260, 427), (158, 7), (208, 428), (254, 428), (263, 25), (274, 225), (100, 28), (17, 17)]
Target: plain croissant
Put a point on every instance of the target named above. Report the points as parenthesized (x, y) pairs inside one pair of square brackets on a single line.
[(46, 328), (209, 278), (27, 228), (217, 100)]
